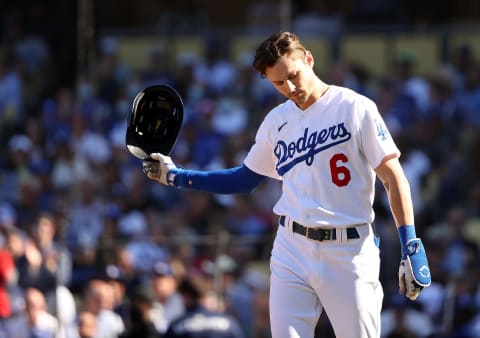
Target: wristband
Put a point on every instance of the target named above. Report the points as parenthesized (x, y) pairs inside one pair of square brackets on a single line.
[(172, 177)]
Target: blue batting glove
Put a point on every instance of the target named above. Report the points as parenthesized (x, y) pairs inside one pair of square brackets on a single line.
[(413, 273)]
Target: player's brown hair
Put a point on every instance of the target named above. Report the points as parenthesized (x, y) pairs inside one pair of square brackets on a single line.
[(275, 46)]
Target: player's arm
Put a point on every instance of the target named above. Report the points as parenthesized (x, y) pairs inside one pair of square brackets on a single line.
[(396, 184), (414, 273), (224, 181)]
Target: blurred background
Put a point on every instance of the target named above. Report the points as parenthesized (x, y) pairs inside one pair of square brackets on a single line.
[(91, 248)]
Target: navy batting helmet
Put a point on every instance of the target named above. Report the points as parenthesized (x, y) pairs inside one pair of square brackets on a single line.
[(155, 121)]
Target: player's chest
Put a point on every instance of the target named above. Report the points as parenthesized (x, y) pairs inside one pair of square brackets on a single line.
[(304, 138), (309, 133)]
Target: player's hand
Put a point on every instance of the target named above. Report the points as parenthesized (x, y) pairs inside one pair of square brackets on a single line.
[(414, 273), (157, 166)]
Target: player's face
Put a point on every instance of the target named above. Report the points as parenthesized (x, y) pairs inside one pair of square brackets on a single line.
[(292, 75)]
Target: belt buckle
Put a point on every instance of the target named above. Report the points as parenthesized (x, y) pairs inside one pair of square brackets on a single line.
[(326, 234), (318, 234)]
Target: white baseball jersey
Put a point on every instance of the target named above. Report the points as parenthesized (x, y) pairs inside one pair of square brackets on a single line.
[(325, 156)]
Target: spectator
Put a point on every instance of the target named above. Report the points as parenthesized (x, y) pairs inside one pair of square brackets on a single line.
[(55, 255), (99, 299), (109, 239), (239, 285), (87, 325), (16, 166), (110, 73), (200, 321), (65, 311), (207, 140), (11, 92), (84, 230), (8, 278), (41, 323), (28, 202), (123, 270), (168, 304), (462, 60), (412, 84), (140, 318), (463, 319), (143, 249), (215, 72), (261, 317), (33, 270), (121, 300)]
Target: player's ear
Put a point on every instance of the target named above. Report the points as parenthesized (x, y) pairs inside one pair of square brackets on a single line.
[(309, 58)]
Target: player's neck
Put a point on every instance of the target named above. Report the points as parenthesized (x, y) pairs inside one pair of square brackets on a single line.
[(319, 90)]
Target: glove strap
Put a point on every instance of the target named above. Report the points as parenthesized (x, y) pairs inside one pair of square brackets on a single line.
[(406, 233)]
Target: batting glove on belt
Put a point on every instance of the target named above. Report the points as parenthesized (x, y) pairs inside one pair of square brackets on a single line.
[(414, 273), (159, 167)]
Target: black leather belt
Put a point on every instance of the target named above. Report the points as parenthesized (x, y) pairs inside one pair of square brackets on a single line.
[(319, 234)]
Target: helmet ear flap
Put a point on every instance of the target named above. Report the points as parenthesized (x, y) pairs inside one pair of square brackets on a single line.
[(155, 121)]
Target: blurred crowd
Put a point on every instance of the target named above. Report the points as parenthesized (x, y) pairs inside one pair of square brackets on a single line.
[(91, 248)]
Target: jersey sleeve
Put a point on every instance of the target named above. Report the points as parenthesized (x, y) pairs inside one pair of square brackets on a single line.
[(376, 140), (261, 158)]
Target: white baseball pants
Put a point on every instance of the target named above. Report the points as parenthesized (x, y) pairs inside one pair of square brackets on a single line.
[(339, 276)]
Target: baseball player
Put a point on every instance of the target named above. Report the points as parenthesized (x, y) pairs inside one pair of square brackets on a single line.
[(327, 144)]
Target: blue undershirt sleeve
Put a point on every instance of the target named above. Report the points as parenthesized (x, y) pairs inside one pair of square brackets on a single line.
[(224, 181)]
